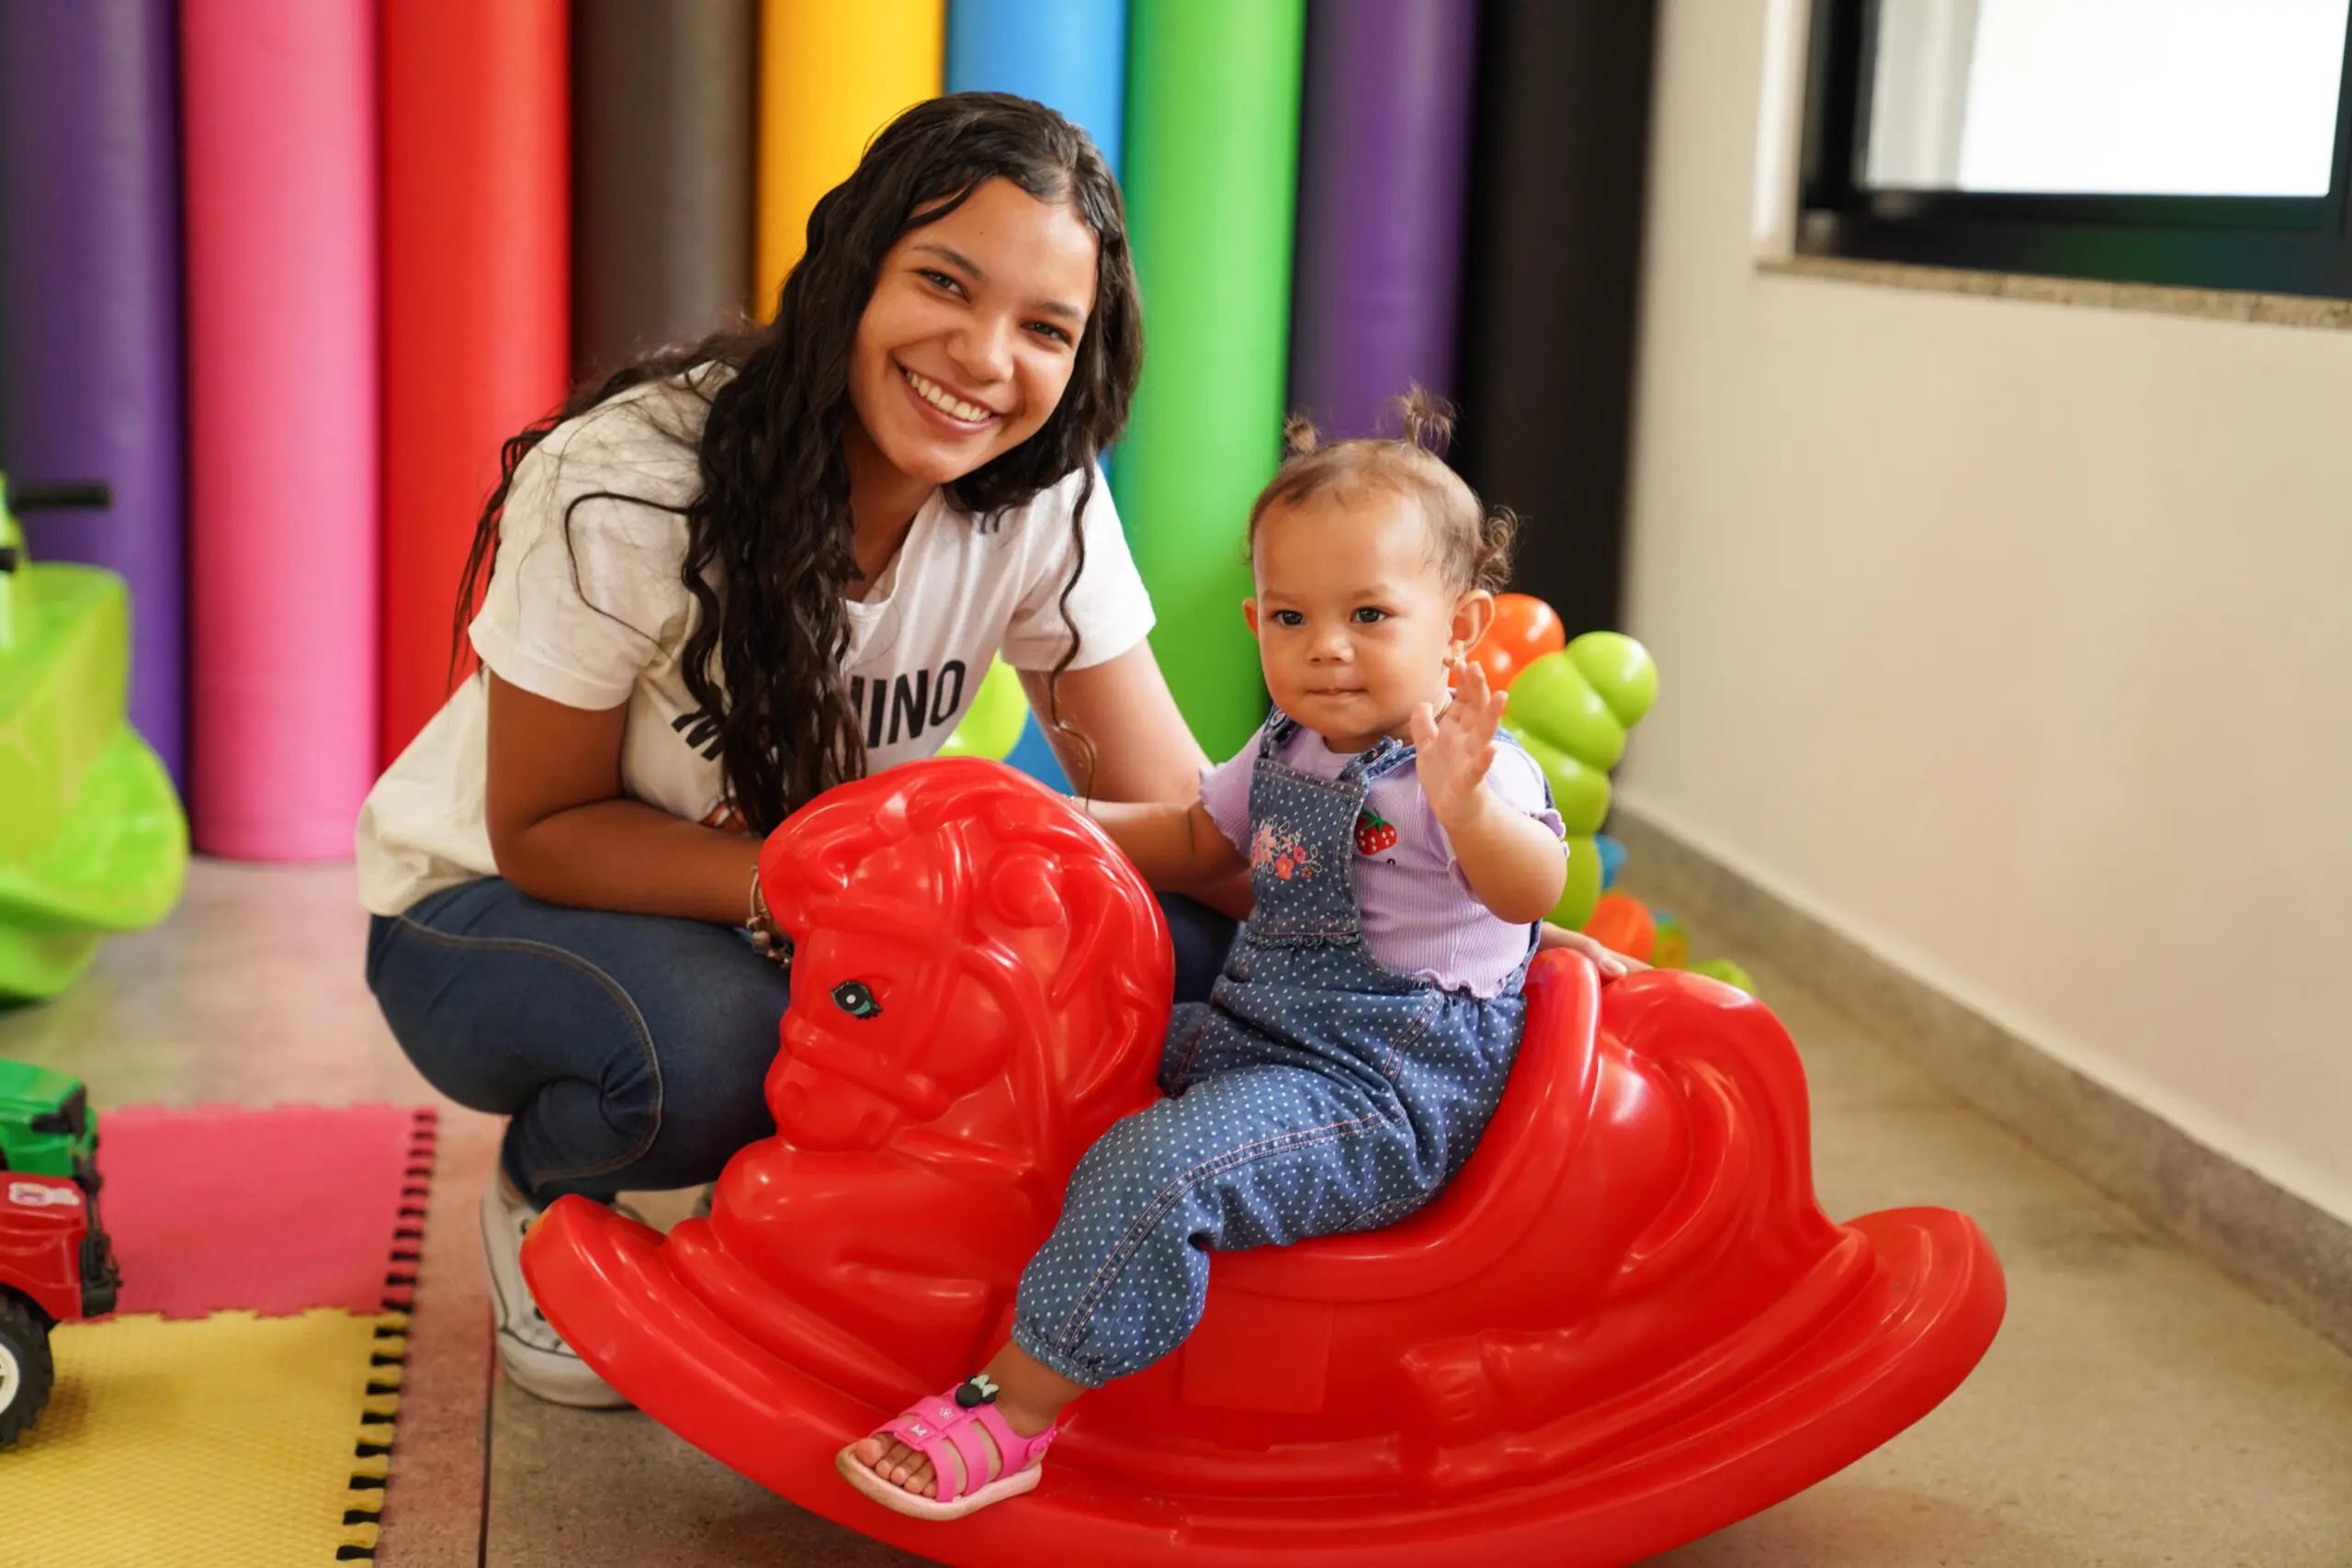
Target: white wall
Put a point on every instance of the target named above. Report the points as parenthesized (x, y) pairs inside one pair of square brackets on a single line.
[(2014, 639)]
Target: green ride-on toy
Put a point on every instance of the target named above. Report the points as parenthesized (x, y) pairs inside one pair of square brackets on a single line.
[(91, 838), (56, 1263)]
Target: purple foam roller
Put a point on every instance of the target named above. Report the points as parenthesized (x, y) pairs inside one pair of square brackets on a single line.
[(1383, 180), (90, 310)]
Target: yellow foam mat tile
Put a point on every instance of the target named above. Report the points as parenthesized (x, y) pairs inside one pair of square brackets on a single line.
[(231, 1441)]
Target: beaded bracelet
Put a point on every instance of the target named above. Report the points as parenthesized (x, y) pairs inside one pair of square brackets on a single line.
[(770, 943)]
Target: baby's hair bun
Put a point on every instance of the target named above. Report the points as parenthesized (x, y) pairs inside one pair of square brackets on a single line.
[(1428, 419), (1298, 436)]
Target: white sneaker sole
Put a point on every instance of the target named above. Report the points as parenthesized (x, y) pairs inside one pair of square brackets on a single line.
[(558, 1377)]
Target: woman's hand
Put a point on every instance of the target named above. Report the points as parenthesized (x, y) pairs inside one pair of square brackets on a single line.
[(1452, 751), (1612, 964)]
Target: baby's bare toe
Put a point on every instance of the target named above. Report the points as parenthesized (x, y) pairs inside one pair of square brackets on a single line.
[(913, 1472)]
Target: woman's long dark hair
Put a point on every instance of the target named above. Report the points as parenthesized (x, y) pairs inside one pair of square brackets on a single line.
[(774, 514)]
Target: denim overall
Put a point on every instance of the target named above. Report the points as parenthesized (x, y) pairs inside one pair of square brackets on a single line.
[(1316, 1091)]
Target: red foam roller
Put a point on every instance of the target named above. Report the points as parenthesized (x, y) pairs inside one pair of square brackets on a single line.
[(476, 214)]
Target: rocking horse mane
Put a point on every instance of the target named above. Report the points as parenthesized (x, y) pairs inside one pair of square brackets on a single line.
[(1001, 854)]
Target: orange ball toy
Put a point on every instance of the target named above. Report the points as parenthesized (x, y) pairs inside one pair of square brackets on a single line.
[(1524, 629)]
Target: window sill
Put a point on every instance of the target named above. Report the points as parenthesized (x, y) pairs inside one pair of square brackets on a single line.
[(2208, 304)]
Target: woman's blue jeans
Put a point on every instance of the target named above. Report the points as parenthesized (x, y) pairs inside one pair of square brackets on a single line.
[(628, 1050)]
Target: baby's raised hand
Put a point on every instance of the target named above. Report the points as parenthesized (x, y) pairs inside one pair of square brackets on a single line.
[(1453, 751)]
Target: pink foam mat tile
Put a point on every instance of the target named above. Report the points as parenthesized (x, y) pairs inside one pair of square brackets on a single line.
[(274, 1210)]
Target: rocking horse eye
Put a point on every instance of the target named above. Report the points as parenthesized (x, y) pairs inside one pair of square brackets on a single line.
[(854, 999)]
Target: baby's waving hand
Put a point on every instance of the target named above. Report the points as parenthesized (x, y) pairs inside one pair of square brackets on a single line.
[(1453, 751), (1512, 861)]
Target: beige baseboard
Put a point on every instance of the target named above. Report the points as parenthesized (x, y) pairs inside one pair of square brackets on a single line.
[(2290, 1252)]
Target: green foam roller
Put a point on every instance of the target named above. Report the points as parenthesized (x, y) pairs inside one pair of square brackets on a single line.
[(1212, 164)]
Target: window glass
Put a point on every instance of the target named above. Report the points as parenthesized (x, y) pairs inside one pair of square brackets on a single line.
[(2116, 98)]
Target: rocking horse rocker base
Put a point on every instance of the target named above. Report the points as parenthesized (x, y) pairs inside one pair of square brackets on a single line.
[(1624, 1324), (1883, 1361)]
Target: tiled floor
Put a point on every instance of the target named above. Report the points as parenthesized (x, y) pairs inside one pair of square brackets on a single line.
[(2137, 1409)]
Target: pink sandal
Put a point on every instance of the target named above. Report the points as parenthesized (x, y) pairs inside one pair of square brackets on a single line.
[(953, 1425)]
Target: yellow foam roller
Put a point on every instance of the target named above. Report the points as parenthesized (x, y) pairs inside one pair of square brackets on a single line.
[(831, 75)]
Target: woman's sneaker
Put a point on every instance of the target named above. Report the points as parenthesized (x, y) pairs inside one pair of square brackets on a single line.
[(533, 1353)]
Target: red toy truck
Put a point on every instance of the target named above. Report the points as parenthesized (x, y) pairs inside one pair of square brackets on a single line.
[(56, 1263)]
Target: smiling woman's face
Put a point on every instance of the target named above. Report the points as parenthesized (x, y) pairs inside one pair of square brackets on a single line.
[(972, 332)]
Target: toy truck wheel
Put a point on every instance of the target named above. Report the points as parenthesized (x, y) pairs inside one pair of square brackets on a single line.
[(25, 1370)]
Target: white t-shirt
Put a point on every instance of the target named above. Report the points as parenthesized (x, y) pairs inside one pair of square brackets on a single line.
[(605, 621)]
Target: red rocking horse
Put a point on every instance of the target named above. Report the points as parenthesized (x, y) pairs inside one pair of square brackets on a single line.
[(1626, 1324)]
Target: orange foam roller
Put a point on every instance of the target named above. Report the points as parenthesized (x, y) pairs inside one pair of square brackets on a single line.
[(831, 75), (1624, 925), (476, 319)]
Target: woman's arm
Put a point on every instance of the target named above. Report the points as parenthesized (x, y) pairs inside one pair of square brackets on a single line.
[(1177, 848), (561, 832), (1142, 748), (1143, 751)]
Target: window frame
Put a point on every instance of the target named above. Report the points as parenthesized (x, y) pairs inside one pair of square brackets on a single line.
[(2263, 244)]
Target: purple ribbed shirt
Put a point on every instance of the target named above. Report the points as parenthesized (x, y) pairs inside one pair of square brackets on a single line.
[(1420, 916)]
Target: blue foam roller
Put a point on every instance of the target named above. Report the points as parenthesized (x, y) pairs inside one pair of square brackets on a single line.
[(1070, 55)]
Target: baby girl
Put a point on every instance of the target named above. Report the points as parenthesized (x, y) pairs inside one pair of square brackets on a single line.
[(1402, 852)]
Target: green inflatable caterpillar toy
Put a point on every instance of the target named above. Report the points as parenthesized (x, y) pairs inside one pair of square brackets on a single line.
[(1572, 709), (991, 727)]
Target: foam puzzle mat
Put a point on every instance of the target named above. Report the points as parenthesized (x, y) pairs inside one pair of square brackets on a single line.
[(230, 1441), (237, 1412), (272, 1209)]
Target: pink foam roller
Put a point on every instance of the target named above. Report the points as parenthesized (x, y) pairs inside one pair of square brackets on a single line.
[(278, 104)]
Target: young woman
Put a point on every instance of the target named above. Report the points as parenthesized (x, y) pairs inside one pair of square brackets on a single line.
[(724, 581)]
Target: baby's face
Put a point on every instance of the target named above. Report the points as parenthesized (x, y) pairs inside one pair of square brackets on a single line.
[(1354, 622)]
